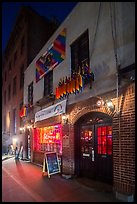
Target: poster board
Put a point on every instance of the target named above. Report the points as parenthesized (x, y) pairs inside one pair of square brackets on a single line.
[(51, 163)]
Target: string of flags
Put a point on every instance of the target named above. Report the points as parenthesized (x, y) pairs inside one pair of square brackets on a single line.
[(75, 83)]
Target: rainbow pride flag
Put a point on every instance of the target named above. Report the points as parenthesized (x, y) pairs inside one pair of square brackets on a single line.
[(52, 57)]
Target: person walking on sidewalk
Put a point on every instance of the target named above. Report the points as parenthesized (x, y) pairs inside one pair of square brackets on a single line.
[(16, 153)]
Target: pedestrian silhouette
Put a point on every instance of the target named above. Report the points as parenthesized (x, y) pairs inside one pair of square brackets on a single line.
[(16, 153)]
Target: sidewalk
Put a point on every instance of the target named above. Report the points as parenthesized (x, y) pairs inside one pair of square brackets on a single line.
[(23, 182)]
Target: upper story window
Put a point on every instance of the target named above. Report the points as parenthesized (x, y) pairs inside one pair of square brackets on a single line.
[(5, 76), (9, 91), (30, 94), (21, 76), (48, 83), (22, 45), (14, 121), (10, 66), (14, 85), (5, 97), (21, 104), (80, 53), (15, 57), (4, 125)]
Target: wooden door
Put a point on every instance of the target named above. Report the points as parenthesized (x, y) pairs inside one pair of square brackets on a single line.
[(87, 151), (103, 152)]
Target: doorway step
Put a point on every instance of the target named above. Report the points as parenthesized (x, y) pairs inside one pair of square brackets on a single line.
[(95, 185)]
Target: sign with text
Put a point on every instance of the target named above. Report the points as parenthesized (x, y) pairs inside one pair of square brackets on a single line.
[(52, 163), (51, 111)]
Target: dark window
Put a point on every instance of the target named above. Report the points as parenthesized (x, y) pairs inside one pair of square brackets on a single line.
[(4, 123), (10, 66), (4, 97), (30, 94), (21, 76), (80, 53), (14, 121), (14, 85), (21, 104), (48, 83), (5, 76), (15, 57), (9, 91), (9, 122), (22, 45)]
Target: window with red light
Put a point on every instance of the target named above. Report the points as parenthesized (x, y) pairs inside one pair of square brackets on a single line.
[(48, 139), (104, 140)]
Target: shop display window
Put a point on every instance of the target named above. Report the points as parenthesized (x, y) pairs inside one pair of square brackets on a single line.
[(48, 139), (104, 140)]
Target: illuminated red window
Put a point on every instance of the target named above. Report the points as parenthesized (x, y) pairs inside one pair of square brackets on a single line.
[(48, 139), (104, 140)]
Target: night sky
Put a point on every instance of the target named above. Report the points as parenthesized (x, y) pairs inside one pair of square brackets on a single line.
[(10, 10)]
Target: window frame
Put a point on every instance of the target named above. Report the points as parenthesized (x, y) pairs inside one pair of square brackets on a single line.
[(77, 57), (15, 57), (48, 83), (21, 76), (14, 85), (30, 93), (9, 92), (14, 121)]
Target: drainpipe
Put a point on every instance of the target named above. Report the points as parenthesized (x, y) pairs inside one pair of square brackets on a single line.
[(114, 38)]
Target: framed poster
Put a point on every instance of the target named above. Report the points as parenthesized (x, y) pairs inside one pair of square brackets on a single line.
[(52, 163)]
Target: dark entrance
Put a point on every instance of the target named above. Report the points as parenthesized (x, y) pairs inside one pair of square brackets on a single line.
[(93, 145)]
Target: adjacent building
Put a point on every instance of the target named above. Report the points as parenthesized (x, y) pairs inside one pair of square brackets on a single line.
[(79, 96), (30, 33)]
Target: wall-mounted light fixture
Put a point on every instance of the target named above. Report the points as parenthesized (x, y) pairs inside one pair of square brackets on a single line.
[(109, 104), (100, 103), (28, 126), (65, 119), (22, 129)]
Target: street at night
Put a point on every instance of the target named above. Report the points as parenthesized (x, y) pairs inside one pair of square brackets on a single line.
[(22, 181)]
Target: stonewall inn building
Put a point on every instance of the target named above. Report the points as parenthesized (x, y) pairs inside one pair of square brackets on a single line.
[(79, 96)]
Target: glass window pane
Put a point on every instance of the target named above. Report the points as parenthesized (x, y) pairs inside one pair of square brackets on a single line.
[(109, 140), (99, 139), (103, 131), (109, 150), (103, 140), (109, 130), (104, 149), (99, 149), (99, 131)]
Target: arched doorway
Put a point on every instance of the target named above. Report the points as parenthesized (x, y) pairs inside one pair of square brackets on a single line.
[(93, 147)]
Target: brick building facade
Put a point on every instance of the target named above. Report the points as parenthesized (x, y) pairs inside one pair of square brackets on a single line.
[(29, 34), (94, 138)]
